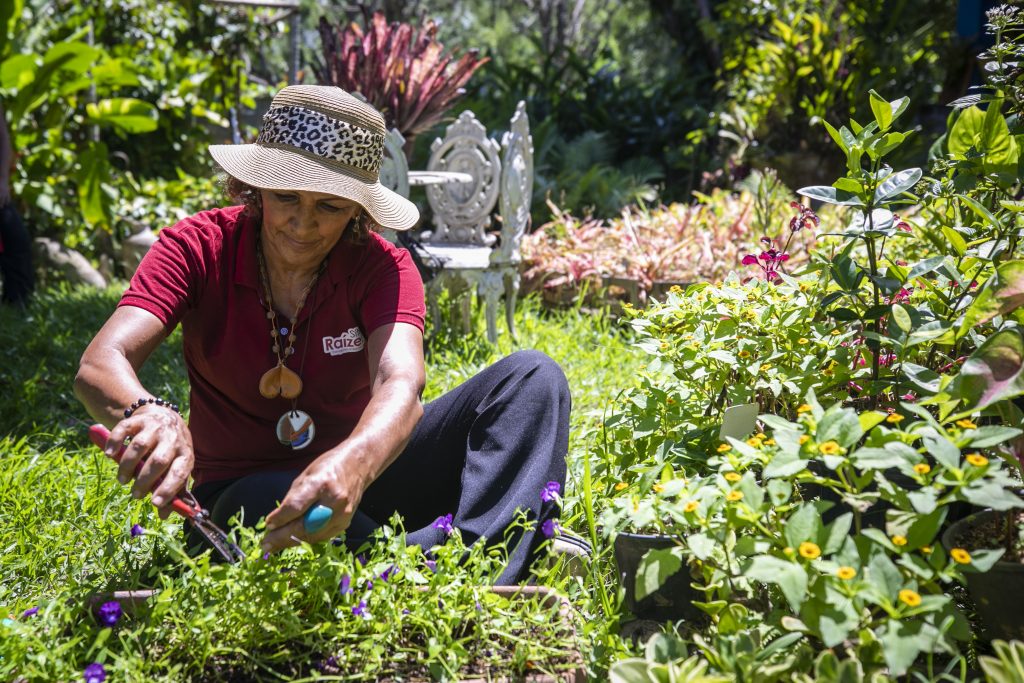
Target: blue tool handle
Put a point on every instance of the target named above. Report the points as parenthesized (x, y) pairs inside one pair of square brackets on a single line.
[(316, 518)]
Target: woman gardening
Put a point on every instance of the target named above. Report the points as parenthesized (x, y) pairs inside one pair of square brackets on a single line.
[(303, 340)]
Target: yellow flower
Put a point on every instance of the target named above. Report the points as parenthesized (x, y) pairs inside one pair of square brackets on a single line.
[(966, 424), (621, 485), (830, 448), (926, 549), (922, 468), (805, 408), (658, 488), (899, 540), (664, 345), (803, 340), (809, 550), (846, 573), (765, 367), (675, 289), (769, 442), (744, 354), (733, 496), (691, 506), (754, 442), (788, 552), (724, 448), (732, 476), (977, 459), (894, 418), (804, 438), (912, 598), (759, 435), (836, 333), (960, 555)]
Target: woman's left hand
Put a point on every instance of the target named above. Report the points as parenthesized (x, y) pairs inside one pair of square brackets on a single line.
[(330, 480)]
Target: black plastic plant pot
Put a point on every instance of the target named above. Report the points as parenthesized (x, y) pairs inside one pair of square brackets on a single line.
[(673, 600), (998, 594)]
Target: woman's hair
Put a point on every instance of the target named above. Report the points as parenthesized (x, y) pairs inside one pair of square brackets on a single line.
[(357, 232)]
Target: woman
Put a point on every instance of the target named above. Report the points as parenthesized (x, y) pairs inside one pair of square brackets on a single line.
[(302, 334)]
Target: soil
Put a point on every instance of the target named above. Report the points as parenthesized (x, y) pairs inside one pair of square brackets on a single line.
[(992, 533)]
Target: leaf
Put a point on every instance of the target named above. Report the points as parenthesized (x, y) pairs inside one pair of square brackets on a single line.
[(986, 132), (881, 109), (840, 425), (944, 451), (803, 525), (655, 568), (1001, 294), (896, 184), (901, 317), (831, 195), (924, 267), (93, 172), (981, 210), (987, 436), (892, 454), (788, 576), (923, 379), (126, 113), (955, 240), (994, 372), (836, 136)]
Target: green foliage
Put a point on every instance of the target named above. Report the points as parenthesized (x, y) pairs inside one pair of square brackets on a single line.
[(786, 70)]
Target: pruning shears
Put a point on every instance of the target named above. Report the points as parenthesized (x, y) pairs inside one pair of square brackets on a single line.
[(186, 505)]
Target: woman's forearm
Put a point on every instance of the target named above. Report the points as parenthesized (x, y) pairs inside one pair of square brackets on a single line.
[(106, 384)]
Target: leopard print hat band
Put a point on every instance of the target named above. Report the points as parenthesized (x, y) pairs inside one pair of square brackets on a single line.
[(321, 139), (325, 136)]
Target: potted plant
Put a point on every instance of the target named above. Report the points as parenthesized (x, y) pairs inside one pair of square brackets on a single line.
[(991, 545)]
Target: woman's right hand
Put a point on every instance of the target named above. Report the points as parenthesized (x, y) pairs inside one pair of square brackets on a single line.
[(162, 444)]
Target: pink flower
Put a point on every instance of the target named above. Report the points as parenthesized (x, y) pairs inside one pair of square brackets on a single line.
[(804, 219), (749, 260), (909, 396)]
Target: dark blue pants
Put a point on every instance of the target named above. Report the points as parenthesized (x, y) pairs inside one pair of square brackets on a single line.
[(481, 452), (15, 257)]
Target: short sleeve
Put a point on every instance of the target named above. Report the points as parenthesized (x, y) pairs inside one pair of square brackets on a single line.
[(167, 281), (393, 291)]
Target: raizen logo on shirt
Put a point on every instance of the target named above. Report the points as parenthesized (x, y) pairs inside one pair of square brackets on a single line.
[(350, 341)]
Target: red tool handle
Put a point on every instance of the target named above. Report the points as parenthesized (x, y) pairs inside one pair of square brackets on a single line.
[(99, 435)]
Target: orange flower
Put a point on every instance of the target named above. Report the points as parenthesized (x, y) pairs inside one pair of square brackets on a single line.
[(830, 448), (966, 424), (809, 550), (621, 485), (922, 468), (899, 541), (960, 555), (894, 418), (846, 573), (911, 598), (724, 448), (977, 459)]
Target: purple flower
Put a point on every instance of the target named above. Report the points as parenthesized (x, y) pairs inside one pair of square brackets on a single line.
[(110, 612), (345, 585), (388, 573), (444, 523), (94, 673), (361, 559), (369, 584), (360, 610), (405, 611), (30, 612), (550, 528), (329, 665), (266, 556), (137, 530), (432, 565), (551, 490)]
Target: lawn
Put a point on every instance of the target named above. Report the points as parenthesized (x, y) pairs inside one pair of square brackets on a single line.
[(68, 539)]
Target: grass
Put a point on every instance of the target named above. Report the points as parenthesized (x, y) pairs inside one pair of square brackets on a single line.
[(65, 534)]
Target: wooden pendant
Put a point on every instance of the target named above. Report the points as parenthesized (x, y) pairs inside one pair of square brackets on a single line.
[(280, 381)]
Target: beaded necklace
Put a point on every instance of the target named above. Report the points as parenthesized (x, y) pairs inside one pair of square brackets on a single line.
[(295, 428)]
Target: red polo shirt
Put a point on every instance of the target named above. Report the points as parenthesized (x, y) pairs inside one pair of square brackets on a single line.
[(203, 274)]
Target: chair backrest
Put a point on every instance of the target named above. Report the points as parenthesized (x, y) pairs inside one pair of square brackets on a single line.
[(462, 211), (516, 186), (394, 168)]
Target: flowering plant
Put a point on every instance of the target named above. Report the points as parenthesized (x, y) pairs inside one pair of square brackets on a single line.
[(858, 571)]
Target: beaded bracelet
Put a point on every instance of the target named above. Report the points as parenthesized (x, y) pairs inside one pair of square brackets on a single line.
[(149, 401)]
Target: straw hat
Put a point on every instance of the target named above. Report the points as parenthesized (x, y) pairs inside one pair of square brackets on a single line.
[(320, 139)]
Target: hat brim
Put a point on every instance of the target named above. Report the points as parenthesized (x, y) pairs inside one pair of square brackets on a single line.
[(270, 168)]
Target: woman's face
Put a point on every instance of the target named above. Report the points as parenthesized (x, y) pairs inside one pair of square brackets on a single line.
[(300, 228)]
